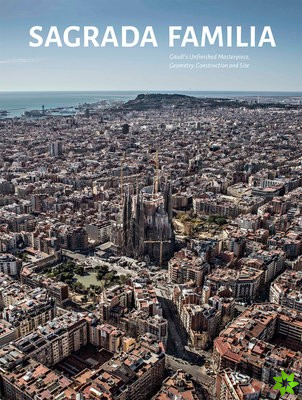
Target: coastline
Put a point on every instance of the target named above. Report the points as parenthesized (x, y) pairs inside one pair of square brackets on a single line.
[(14, 104)]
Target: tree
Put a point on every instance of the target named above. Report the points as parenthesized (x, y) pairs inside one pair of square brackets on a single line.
[(123, 279), (217, 219), (23, 256), (66, 277), (78, 287), (221, 221), (102, 271), (79, 270)]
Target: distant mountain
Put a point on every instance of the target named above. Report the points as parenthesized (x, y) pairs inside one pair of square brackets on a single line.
[(159, 101)]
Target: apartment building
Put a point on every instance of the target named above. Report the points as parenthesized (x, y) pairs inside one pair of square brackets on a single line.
[(10, 265), (287, 290), (55, 340)]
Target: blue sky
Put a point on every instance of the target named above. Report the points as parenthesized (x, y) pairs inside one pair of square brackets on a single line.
[(26, 68)]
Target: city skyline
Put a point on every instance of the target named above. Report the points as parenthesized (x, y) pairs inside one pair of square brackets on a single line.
[(157, 239)]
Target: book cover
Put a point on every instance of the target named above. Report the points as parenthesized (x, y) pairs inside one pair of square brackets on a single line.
[(150, 199)]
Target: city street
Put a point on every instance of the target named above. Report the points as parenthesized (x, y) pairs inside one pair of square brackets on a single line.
[(178, 356)]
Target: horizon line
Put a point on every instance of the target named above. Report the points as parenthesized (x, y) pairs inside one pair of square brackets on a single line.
[(149, 90)]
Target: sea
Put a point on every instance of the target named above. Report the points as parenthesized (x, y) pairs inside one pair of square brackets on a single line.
[(16, 103)]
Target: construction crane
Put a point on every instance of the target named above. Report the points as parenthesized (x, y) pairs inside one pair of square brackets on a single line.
[(161, 242), (122, 176), (156, 177)]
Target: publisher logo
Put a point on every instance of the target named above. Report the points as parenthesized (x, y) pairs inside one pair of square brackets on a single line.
[(285, 383)]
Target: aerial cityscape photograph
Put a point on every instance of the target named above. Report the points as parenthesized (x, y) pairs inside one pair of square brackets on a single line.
[(150, 200)]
